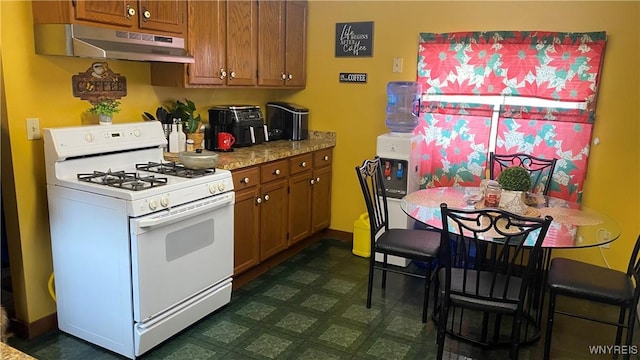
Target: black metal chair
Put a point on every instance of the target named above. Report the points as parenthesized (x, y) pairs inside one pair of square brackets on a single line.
[(478, 274), (418, 245), (541, 170), (598, 284)]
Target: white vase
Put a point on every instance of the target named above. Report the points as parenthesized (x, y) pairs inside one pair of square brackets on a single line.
[(513, 201), (104, 119)]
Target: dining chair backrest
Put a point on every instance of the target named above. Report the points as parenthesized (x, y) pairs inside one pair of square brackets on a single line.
[(634, 269), (485, 247), (373, 190), (541, 170)]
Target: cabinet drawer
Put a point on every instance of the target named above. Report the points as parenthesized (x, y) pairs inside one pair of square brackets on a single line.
[(246, 178), (300, 163), (274, 170), (322, 157)]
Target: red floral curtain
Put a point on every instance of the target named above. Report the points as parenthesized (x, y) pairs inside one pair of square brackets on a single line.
[(538, 92)]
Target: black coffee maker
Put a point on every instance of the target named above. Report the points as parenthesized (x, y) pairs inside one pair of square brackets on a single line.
[(244, 122)]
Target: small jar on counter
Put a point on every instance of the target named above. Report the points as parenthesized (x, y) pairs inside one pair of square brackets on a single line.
[(492, 194), (190, 146)]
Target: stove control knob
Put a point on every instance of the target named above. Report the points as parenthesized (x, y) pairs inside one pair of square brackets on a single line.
[(153, 204), (89, 137), (136, 132), (221, 186), (164, 202), (212, 188)]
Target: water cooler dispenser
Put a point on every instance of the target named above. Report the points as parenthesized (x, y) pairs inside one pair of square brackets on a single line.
[(401, 169), (399, 153)]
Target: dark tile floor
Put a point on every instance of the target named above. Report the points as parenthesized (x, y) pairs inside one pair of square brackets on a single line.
[(313, 307)]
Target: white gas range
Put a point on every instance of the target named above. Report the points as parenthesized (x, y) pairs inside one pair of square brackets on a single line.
[(142, 248)]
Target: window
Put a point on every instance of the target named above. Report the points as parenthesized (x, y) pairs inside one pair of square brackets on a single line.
[(531, 92)]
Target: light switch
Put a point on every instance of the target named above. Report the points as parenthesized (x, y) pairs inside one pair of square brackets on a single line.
[(33, 128)]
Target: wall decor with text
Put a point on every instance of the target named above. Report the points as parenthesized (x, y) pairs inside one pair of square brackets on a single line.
[(354, 39), (99, 82)]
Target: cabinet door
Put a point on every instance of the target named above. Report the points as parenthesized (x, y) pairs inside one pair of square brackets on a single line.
[(242, 42), (163, 15), (246, 248), (299, 206), (321, 208), (114, 12), (271, 42), (296, 44), (273, 218), (206, 39), (246, 219)]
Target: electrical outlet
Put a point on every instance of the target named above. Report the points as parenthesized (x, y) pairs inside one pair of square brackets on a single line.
[(397, 65), (33, 128)]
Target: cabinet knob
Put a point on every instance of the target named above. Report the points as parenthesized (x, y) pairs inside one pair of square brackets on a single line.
[(303, 164), (146, 14), (313, 181), (290, 77), (326, 158), (283, 76), (266, 197), (258, 200), (276, 172), (232, 75), (223, 74), (317, 180), (244, 180), (130, 12)]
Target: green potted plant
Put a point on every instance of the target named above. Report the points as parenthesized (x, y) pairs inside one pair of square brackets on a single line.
[(105, 110), (191, 123), (515, 182)]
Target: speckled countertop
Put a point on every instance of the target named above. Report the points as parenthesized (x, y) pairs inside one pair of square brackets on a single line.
[(270, 151), (9, 353)]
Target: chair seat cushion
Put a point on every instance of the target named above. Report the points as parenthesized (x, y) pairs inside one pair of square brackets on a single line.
[(578, 279), (484, 299), (408, 243)]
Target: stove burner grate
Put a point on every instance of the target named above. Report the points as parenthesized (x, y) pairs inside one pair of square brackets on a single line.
[(124, 180), (174, 169)]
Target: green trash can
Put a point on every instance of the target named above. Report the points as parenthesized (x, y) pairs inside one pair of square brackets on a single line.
[(361, 236)]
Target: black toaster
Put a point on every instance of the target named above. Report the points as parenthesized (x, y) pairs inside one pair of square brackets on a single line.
[(290, 120)]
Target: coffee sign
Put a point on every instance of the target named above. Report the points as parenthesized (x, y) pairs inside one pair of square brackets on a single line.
[(354, 39), (99, 83)]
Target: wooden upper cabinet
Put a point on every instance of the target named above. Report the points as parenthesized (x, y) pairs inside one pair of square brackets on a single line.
[(282, 43), (222, 37), (107, 12), (296, 44), (165, 16), (271, 27), (206, 42), (241, 42)]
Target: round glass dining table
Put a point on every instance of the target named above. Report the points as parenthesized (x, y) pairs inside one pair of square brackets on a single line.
[(573, 225)]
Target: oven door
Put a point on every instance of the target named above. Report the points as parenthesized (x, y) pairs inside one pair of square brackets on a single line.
[(180, 253)]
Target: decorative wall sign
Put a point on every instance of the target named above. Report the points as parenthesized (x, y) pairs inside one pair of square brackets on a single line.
[(354, 39), (99, 83), (353, 78)]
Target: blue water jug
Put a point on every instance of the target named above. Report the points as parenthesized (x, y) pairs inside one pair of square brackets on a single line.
[(403, 105)]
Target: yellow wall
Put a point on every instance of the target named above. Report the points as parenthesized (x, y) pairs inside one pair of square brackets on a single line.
[(40, 86)]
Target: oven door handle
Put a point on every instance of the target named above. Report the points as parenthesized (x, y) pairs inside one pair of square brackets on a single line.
[(187, 211)]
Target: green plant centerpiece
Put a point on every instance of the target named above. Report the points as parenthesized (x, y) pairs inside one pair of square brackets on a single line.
[(105, 109), (186, 111), (515, 182), (191, 122)]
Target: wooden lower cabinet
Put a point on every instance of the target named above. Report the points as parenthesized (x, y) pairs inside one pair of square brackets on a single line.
[(246, 227), (279, 204)]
